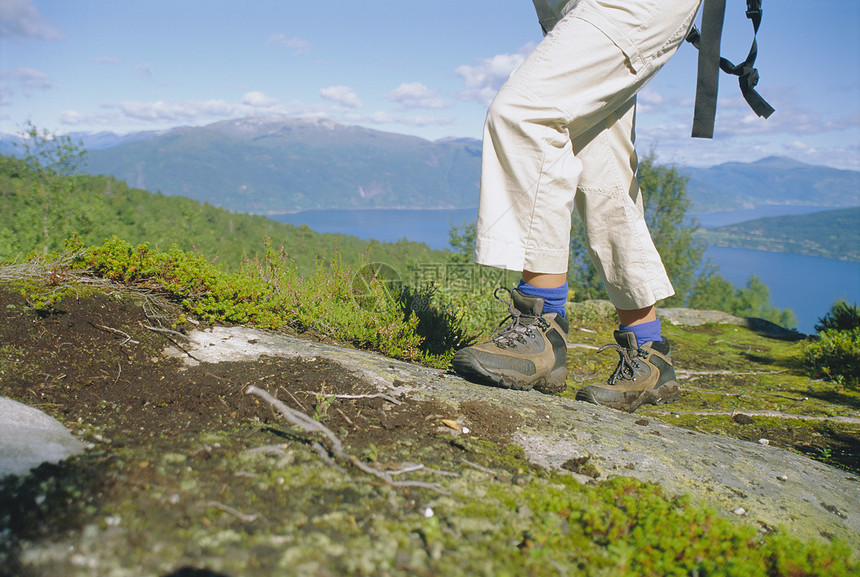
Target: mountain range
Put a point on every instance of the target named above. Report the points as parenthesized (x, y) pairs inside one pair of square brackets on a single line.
[(272, 166), (280, 165)]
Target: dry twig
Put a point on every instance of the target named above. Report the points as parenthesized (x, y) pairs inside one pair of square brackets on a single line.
[(774, 414), (128, 338), (692, 375), (336, 449), (230, 510), (388, 398)]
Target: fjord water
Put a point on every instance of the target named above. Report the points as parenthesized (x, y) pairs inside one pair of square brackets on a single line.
[(806, 284)]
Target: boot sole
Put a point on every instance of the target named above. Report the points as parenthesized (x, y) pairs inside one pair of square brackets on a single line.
[(629, 401), (548, 383)]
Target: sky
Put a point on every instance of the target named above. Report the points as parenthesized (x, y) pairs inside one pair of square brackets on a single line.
[(428, 69)]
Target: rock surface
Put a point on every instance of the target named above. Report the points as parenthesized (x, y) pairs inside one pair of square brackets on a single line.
[(772, 487), (29, 437)]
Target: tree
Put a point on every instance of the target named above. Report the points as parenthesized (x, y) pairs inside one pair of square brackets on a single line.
[(712, 291), (54, 160), (664, 191), (461, 239)]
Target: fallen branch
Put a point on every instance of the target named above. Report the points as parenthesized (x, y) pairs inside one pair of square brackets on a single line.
[(309, 425), (705, 391), (774, 414), (581, 346), (480, 468), (230, 510), (166, 331), (388, 398), (688, 374), (299, 419), (128, 339)]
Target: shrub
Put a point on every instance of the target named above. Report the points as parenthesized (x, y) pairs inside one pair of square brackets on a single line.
[(269, 293), (842, 317), (835, 355), (438, 323)]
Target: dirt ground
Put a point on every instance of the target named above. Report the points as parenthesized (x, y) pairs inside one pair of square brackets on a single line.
[(95, 363)]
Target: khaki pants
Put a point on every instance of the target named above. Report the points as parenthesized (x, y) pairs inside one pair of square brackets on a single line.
[(560, 133)]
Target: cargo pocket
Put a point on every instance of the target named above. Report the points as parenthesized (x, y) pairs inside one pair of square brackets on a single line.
[(635, 61)]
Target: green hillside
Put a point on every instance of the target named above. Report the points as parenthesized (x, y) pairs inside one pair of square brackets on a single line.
[(773, 180), (41, 214), (271, 166), (830, 234)]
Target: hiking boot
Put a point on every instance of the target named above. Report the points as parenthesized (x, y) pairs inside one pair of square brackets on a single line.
[(530, 353), (644, 375)]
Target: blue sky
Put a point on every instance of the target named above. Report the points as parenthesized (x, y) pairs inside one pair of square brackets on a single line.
[(422, 68)]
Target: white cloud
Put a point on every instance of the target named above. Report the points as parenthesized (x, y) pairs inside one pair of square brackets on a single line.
[(144, 70), (341, 95), (259, 100), (178, 112), (484, 80), (651, 101), (32, 79), (20, 19), (169, 114), (414, 120), (71, 117), (415, 95), (5, 96), (298, 45)]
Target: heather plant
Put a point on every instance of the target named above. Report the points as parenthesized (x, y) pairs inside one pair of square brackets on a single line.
[(268, 292), (835, 353)]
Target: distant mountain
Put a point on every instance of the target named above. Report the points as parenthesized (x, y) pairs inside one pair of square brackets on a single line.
[(102, 140), (89, 140), (271, 166), (830, 234), (277, 165), (772, 180)]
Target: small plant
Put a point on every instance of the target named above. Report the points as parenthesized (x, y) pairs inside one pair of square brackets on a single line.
[(835, 355), (842, 317), (439, 323), (322, 405)]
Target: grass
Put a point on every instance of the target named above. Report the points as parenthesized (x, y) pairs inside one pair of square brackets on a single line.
[(508, 518), (724, 370)]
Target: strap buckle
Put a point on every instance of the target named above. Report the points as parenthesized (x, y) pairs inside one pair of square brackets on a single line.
[(753, 9)]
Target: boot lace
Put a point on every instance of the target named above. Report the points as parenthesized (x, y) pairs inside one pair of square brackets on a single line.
[(521, 327), (625, 370)]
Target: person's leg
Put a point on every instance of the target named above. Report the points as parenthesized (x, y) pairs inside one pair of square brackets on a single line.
[(552, 288), (610, 203), (591, 64)]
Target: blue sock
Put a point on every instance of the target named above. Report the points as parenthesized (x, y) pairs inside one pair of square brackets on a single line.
[(553, 298), (650, 331)]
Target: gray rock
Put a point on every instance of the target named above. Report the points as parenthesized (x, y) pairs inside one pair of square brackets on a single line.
[(774, 487), (29, 437), (694, 318)]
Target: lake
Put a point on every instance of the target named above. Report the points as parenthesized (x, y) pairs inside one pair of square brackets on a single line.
[(808, 285)]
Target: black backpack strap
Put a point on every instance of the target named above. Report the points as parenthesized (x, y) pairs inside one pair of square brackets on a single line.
[(549, 13), (710, 63)]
